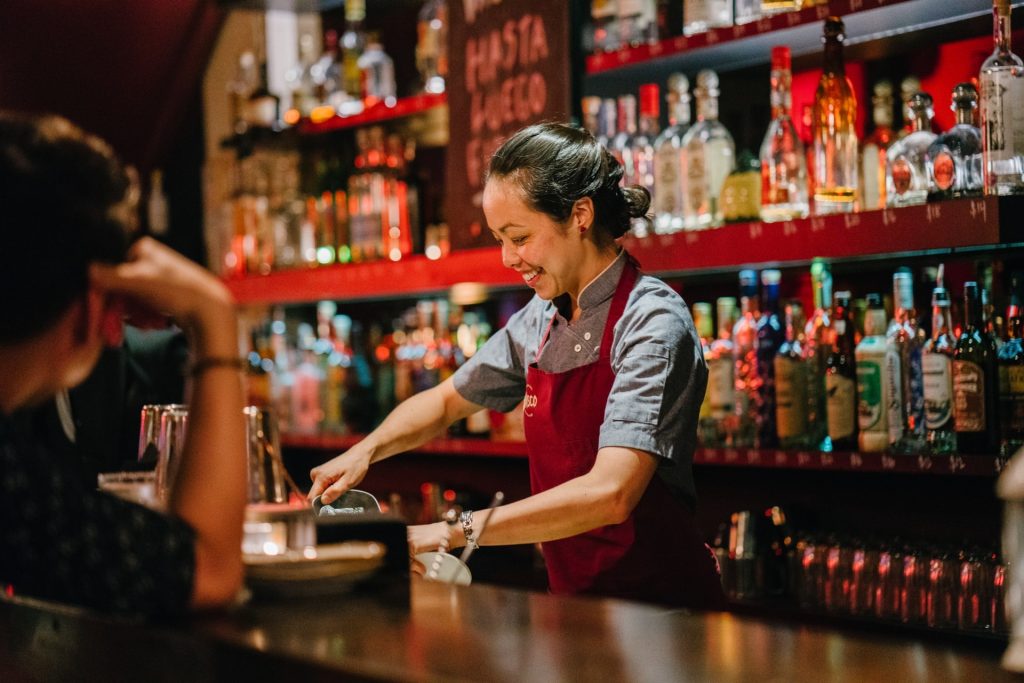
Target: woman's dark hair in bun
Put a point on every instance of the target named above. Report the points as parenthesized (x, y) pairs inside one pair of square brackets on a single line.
[(555, 164)]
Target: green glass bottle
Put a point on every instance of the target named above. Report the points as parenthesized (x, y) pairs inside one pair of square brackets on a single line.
[(975, 381), (841, 378)]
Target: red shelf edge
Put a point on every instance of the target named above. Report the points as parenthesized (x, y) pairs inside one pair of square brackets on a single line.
[(679, 45), (461, 447), (406, 106), (959, 465)]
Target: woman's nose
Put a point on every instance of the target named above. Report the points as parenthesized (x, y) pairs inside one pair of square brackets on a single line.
[(509, 257)]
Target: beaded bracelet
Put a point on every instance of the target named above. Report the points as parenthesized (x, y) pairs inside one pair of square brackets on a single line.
[(204, 364)]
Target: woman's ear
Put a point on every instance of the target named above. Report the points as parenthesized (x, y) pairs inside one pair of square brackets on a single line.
[(100, 316), (583, 212)]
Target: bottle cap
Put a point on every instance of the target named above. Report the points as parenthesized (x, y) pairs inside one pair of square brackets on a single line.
[(678, 83), (834, 28), (707, 82), (771, 277), (965, 96), (781, 60), (874, 300), (649, 100), (748, 277)]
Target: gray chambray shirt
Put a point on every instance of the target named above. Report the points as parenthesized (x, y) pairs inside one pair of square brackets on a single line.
[(660, 375)]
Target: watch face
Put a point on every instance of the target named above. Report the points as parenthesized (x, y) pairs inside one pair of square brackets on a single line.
[(944, 170)]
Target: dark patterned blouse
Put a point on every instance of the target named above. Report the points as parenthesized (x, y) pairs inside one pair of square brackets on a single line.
[(62, 540)]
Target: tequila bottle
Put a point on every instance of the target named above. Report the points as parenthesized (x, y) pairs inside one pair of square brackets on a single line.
[(937, 367), (603, 15), (1002, 110), (300, 79), (783, 160), (670, 171), (710, 155), (841, 378), (746, 11), (955, 157), (432, 45), (747, 393), (721, 372), (378, 75), (638, 21), (643, 146), (702, 322), (909, 86), (791, 369), (1011, 375), (874, 150), (905, 341), (975, 381), (353, 43), (907, 170), (770, 335), (817, 348), (878, 377), (835, 133), (703, 15), (622, 144)]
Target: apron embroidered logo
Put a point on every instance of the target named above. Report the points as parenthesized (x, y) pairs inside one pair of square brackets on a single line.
[(530, 402)]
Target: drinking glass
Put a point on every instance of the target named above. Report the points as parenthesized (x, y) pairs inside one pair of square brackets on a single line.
[(149, 432), (268, 480), (171, 440)]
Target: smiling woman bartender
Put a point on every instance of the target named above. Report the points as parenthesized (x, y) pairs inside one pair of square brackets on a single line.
[(612, 374)]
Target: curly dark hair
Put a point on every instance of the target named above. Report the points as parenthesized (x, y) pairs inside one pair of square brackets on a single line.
[(555, 164), (63, 205)]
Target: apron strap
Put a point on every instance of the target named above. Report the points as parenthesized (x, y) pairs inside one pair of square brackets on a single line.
[(630, 274)]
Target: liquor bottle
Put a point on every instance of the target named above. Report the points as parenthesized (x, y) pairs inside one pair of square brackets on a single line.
[(608, 123), (622, 144), (1011, 374), (378, 75), (771, 332), (670, 162), (841, 378), (353, 43), (975, 381), (721, 372), (907, 170), (746, 11), (874, 150), (740, 198), (327, 74), (643, 146), (783, 159), (937, 367), (817, 348), (300, 81), (955, 157), (432, 45), (747, 393), (638, 21), (702, 323), (263, 109), (591, 107), (769, 7), (835, 132), (791, 382), (878, 377), (906, 341), (1002, 110), (240, 88), (704, 15), (710, 156), (604, 17), (306, 410), (909, 86)]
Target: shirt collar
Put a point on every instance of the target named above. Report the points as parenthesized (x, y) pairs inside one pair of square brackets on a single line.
[(597, 291)]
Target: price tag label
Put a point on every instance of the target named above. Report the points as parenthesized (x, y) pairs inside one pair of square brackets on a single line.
[(933, 212), (754, 457), (851, 220), (856, 461), (731, 455), (817, 224), (656, 49), (788, 229), (888, 462), (764, 25), (680, 43), (979, 209), (756, 230), (956, 464), (781, 458), (709, 454), (623, 56), (712, 37), (821, 12), (792, 18), (856, 5), (803, 459), (924, 463), (692, 237), (888, 217), (828, 460), (739, 30)]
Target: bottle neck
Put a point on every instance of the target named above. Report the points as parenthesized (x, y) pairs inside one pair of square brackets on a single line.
[(649, 124), (782, 98), (823, 293), (1016, 327), (707, 108), (834, 63), (1001, 29), (921, 120), (965, 116), (973, 318), (882, 115), (771, 299), (627, 119), (747, 304), (679, 114), (942, 321)]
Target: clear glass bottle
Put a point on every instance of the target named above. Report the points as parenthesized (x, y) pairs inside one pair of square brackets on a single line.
[(769, 7), (875, 148), (378, 75), (1011, 374), (353, 43), (246, 80), (608, 123), (643, 146), (909, 86), (937, 368), (721, 372), (906, 340), (670, 161), (300, 79), (877, 381), (783, 159), (706, 432), (746, 11), (907, 170), (817, 347), (791, 382), (841, 377), (702, 15), (604, 18), (747, 393), (591, 107), (327, 73), (622, 144), (955, 157), (835, 130), (975, 381), (710, 156), (771, 332), (1002, 110), (638, 21), (432, 45)]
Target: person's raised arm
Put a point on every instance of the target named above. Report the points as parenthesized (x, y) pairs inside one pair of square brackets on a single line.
[(209, 493), (413, 422)]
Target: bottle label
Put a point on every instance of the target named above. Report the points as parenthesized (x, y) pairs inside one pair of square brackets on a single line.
[(968, 397), (902, 175), (1003, 106), (1011, 401), (667, 189), (944, 170), (938, 390), (790, 397), (874, 177), (721, 387), (841, 406), (869, 395), (914, 421), (697, 184), (893, 395)]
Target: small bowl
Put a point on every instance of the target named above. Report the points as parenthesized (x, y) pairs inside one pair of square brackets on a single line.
[(352, 502)]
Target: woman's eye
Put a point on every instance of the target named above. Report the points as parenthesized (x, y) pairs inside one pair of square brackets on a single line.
[(518, 240)]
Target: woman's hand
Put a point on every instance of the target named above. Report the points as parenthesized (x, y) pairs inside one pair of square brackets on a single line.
[(334, 477), (426, 537)]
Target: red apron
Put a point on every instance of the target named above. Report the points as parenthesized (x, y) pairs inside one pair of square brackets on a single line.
[(657, 555)]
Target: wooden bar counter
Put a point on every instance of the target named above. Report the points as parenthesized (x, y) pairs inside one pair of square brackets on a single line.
[(478, 633)]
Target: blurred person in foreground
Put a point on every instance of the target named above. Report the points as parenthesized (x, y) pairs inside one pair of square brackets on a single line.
[(70, 272)]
